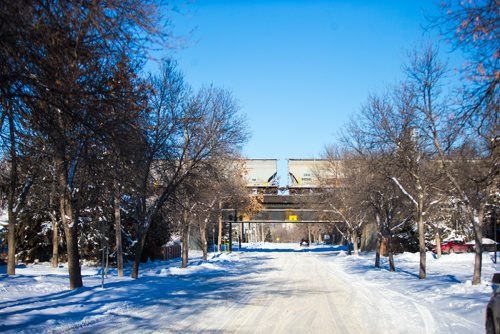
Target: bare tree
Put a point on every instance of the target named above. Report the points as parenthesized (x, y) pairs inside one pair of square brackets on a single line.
[(185, 133), (388, 131), (470, 180), (344, 183), (223, 185), (390, 215)]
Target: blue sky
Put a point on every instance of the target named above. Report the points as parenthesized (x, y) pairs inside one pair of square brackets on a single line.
[(299, 69)]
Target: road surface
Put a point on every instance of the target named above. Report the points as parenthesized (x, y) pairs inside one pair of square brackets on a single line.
[(290, 291)]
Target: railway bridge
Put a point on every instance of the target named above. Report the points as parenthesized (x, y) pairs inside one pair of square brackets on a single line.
[(296, 202), (291, 209)]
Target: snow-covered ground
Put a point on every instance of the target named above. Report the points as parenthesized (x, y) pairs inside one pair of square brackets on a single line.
[(278, 288)]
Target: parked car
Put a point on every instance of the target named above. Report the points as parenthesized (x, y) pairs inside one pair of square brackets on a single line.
[(304, 242), (493, 309), (453, 246)]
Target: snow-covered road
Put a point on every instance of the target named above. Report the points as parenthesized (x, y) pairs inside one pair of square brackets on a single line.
[(297, 291), (263, 289)]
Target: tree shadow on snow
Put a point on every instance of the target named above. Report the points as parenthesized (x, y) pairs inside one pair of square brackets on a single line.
[(181, 295)]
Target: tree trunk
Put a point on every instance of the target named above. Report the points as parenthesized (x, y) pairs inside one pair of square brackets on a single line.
[(438, 244), (11, 243), (203, 239), (118, 229), (355, 238), (348, 240), (363, 238), (477, 219), (377, 252), (107, 261), (219, 236), (70, 227), (11, 252), (55, 242), (379, 241), (185, 239), (71, 234), (55, 226), (392, 267), (103, 249), (421, 238), (141, 236)]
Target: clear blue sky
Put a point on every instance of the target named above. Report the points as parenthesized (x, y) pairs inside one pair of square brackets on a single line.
[(299, 69)]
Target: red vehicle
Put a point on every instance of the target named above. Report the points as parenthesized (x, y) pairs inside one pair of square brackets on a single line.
[(453, 246)]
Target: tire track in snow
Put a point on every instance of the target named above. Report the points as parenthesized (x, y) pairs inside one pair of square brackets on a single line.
[(331, 308), (269, 307), (304, 301)]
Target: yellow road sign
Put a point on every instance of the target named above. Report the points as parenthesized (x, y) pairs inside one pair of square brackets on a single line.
[(292, 217)]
